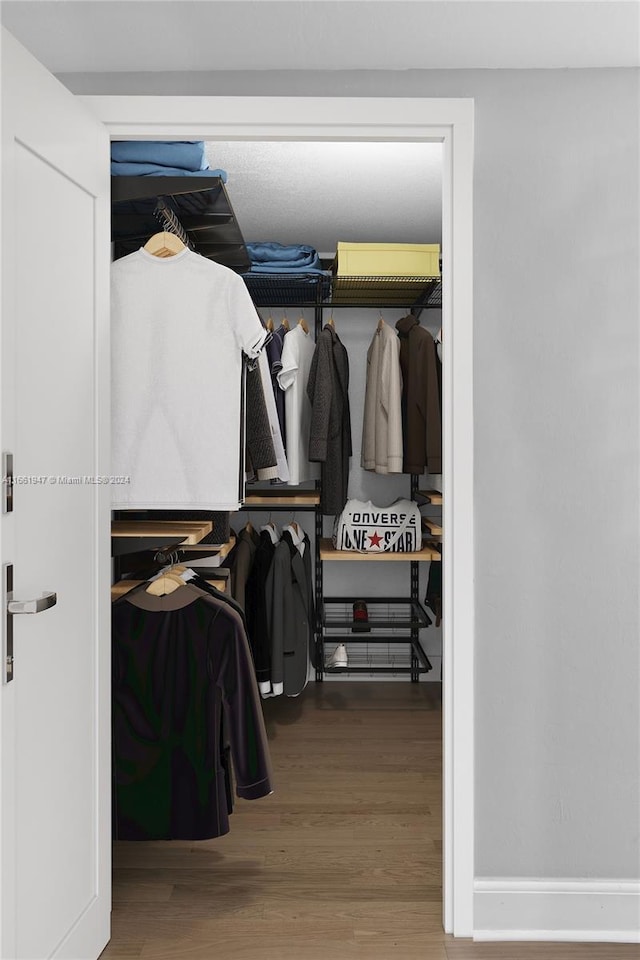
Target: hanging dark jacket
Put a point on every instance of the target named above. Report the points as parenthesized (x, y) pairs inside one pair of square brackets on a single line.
[(330, 432), (256, 611), (421, 423), (274, 356), (180, 662), (290, 611), (260, 453), (240, 563)]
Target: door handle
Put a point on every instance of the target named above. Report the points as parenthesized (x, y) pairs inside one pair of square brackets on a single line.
[(12, 607), (43, 602)]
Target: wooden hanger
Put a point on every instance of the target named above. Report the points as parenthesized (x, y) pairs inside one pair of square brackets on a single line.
[(380, 323), (331, 321), (285, 322), (164, 244), (303, 323), (270, 325), (167, 583)]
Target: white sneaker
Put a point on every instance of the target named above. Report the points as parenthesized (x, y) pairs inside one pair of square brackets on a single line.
[(338, 658)]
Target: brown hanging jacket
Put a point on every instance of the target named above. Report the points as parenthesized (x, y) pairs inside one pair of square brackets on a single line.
[(421, 421)]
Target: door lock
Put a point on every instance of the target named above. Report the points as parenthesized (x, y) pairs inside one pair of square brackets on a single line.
[(13, 608)]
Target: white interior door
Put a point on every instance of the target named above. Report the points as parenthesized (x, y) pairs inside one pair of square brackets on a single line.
[(55, 877)]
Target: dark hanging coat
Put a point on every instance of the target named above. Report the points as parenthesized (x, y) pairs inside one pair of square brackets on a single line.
[(421, 422), (274, 356), (330, 432), (240, 562), (181, 662), (256, 611), (290, 611), (260, 453)]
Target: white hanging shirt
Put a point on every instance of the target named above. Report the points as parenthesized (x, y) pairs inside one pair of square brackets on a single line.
[(297, 354), (178, 329)]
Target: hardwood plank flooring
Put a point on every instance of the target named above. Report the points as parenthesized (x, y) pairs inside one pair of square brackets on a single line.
[(341, 862)]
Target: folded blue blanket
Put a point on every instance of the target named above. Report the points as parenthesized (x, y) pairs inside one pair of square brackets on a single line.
[(186, 154), (297, 276), (284, 268), (155, 170), (271, 257)]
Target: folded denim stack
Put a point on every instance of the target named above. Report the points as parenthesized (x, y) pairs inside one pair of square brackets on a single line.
[(271, 257), (161, 158)]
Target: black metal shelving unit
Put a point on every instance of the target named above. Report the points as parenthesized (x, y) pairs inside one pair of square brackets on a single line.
[(200, 204), (323, 292)]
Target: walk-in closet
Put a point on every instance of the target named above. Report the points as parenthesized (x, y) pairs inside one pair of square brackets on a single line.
[(331, 755)]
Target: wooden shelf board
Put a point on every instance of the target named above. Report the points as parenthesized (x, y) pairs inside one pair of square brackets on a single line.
[(303, 498), (433, 526), (329, 552), (431, 496), (219, 550), (188, 531)]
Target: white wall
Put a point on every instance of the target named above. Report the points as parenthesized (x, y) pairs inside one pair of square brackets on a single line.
[(556, 420)]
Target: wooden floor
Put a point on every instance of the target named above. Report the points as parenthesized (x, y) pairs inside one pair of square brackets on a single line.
[(341, 862)]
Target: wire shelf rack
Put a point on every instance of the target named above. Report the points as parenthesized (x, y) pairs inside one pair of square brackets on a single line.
[(383, 613), (367, 661), (308, 290)]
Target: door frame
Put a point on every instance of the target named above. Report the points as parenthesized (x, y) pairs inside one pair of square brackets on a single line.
[(449, 121)]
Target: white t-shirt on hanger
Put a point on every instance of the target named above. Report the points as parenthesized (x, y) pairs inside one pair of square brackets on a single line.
[(297, 354), (179, 327)]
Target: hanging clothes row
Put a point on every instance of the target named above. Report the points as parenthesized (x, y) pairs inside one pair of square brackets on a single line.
[(271, 576), (290, 353), (184, 698), (402, 430)]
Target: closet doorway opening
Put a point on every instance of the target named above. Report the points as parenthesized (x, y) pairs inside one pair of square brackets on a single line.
[(266, 123)]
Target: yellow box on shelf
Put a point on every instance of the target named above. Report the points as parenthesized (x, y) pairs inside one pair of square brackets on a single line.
[(387, 259)]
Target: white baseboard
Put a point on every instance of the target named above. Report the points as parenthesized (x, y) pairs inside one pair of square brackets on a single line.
[(568, 910)]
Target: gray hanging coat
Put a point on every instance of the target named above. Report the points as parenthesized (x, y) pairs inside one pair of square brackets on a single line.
[(330, 433)]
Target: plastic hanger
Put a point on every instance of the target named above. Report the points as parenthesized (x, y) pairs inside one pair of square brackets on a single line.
[(297, 535), (164, 244), (295, 529), (270, 528)]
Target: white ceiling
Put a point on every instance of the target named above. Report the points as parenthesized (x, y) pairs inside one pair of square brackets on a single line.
[(178, 35), (319, 193)]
